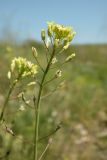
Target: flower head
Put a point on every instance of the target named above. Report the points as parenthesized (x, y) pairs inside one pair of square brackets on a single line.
[(23, 67), (60, 32)]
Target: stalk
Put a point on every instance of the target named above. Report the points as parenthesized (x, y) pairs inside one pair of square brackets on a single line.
[(37, 108), (8, 96), (6, 100)]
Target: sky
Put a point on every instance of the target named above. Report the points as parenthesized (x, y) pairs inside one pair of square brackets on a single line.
[(24, 19)]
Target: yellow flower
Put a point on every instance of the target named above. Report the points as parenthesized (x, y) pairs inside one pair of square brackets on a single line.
[(60, 34), (23, 67)]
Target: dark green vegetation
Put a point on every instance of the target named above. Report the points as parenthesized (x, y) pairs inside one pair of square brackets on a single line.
[(81, 106)]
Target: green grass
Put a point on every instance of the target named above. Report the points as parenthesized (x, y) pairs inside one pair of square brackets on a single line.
[(82, 102)]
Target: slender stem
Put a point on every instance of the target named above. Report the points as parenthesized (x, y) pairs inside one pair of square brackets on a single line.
[(48, 94), (46, 148), (46, 46), (24, 100), (50, 80), (61, 64), (8, 96), (37, 107), (51, 133), (38, 62), (47, 51), (7, 99)]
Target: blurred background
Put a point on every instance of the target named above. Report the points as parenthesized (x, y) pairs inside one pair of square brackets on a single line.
[(81, 104)]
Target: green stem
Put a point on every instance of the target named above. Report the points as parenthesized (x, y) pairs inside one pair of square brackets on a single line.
[(7, 98), (46, 148), (37, 108), (6, 101)]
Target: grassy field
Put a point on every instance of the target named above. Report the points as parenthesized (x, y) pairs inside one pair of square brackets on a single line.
[(80, 106)]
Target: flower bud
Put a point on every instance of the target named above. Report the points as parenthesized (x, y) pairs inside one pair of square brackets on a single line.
[(49, 32), (34, 51), (31, 83), (58, 73), (56, 42), (48, 42), (50, 28), (43, 34), (22, 108), (70, 57), (66, 46), (27, 102), (54, 60), (9, 75), (20, 95)]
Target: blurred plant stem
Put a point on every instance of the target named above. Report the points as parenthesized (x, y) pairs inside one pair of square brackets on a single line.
[(7, 98), (37, 106)]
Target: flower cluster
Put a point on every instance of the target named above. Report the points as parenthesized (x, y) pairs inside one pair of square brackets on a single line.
[(22, 67), (60, 34), (60, 31)]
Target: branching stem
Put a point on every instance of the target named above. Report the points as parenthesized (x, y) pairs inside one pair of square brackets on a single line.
[(37, 107)]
